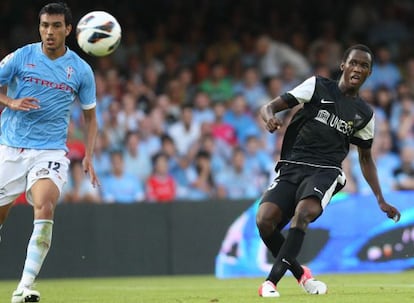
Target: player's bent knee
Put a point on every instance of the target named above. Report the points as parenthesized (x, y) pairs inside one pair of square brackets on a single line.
[(264, 224), (267, 217), (308, 210), (44, 210), (304, 216), (261, 224)]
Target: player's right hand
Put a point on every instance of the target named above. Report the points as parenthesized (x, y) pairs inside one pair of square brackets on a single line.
[(273, 124), (25, 104)]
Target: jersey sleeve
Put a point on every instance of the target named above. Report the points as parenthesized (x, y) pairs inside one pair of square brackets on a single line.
[(87, 90), (8, 68), (302, 93), (364, 137)]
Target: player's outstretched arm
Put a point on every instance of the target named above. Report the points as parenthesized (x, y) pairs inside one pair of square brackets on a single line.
[(369, 170), (25, 104), (91, 133)]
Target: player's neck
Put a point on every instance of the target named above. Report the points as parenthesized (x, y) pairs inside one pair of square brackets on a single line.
[(348, 91), (53, 54)]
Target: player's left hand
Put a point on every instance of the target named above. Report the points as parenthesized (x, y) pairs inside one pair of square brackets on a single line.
[(88, 169), (390, 210)]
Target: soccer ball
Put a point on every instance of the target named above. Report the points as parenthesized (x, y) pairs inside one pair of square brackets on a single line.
[(98, 33)]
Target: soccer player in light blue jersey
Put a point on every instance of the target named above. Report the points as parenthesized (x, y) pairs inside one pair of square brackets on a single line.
[(43, 79)]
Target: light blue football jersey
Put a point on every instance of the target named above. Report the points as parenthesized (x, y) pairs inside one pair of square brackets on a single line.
[(28, 72)]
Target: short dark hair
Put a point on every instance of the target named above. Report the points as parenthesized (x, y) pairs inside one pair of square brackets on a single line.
[(58, 8), (116, 152), (157, 156), (360, 47)]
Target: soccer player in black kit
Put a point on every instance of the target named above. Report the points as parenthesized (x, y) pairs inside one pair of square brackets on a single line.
[(309, 172)]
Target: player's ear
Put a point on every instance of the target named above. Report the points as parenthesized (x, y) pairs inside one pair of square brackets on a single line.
[(68, 29), (342, 67)]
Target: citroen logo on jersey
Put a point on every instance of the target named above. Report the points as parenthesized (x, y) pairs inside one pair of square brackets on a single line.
[(345, 127), (327, 101), (49, 84)]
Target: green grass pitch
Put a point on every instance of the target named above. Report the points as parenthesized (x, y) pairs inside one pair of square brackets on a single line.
[(364, 288)]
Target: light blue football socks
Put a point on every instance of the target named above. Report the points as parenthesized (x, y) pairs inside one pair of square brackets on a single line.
[(37, 250)]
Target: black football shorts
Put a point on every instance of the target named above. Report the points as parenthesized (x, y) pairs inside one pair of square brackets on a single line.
[(296, 182)]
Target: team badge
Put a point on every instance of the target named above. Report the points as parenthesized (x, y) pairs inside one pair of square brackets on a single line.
[(42, 172), (69, 72), (358, 120)]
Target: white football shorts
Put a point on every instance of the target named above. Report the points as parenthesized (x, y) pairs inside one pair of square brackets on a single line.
[(20, 168)]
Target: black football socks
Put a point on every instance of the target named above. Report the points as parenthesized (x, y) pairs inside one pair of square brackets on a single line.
[(286, 258)]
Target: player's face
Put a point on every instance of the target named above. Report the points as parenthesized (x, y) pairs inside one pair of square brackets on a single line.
[(356, 69), (53, 32)]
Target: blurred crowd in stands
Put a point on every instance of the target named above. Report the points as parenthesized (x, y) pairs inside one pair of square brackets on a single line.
[(178, 102)]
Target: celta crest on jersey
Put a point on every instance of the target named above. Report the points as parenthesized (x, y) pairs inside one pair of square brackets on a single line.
[(332, 120), (69, 72)]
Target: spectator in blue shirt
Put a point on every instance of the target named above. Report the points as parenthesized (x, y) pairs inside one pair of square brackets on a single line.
[(119, 186), (250, 87), (384, 71), (240, 118), (236, 182)]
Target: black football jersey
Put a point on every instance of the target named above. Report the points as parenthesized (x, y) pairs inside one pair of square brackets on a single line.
[(320, 133)]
